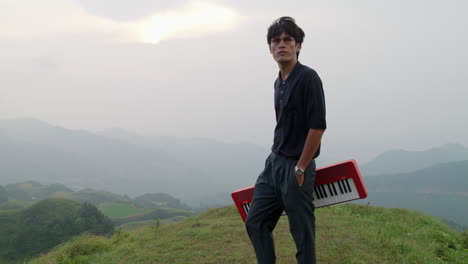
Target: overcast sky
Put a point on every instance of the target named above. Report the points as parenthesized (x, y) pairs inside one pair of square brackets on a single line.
[(395, 73)]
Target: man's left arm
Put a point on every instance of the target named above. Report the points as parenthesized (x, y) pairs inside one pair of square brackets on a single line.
[(315, 118), (310, 148)]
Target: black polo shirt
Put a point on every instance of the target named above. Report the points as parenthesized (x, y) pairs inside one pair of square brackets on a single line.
[(299, 106)]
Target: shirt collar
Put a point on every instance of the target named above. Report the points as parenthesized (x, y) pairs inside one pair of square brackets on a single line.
[(292, 74)]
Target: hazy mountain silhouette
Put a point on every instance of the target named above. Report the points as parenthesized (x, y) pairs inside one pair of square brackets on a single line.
[(440, 190), (125, 163), (201, 172), (237, 164), (34, 150), (449, 177), (398, 161)]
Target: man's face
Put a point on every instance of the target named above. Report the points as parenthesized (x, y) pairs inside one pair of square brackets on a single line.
[(284, 48)]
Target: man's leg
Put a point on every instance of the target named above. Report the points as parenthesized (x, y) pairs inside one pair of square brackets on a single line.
[(263, 215), (300, 210)]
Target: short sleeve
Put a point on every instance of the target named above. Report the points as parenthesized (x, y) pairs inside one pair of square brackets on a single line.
[(314, 102)]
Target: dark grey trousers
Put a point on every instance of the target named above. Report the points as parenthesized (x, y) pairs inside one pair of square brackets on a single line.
[(276, 190)]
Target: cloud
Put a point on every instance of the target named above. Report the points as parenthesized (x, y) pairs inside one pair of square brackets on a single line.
[(125, 10), (28, 20), (192, 20)]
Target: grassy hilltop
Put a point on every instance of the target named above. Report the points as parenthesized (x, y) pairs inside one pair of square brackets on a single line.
[(346, 234)]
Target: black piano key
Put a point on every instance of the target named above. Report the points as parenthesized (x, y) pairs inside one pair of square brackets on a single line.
[(341, 188), (320, 192), (246, 207), (317, 192), (344, 186), (324, 191), (348, 189), (330, 189), (347, 184), (334, 188)]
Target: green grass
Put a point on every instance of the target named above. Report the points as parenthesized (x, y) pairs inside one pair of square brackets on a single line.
[(121, 210), (138, 224), (159, 213), (346, 234)]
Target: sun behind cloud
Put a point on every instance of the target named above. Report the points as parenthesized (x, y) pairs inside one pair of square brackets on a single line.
[(193, 20)]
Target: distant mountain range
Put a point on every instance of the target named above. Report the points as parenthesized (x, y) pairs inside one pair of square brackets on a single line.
[(440, 190), (236, 165), (203, 172), (195, 170), (451, 177), (434, 181), (400, 161)]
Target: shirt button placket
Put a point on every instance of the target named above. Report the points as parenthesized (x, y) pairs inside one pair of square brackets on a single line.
[(281, 91)]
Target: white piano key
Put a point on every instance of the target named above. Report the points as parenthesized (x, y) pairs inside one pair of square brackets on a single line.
[(353, 188), (343, 195)]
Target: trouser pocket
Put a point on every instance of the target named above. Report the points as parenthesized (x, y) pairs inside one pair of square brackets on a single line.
[(309, 175), (292, 174)]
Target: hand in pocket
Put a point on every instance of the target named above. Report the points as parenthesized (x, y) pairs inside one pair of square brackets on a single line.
[(299, 178)]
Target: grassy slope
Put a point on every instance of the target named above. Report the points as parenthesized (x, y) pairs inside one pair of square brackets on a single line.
[(159, 213), (139, 224), (345, 234), (121, 210)]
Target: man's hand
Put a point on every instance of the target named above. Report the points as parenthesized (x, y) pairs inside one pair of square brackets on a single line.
[(299, 178), (314, 136)]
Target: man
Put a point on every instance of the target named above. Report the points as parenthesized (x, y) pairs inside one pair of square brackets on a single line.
[(288, 179)]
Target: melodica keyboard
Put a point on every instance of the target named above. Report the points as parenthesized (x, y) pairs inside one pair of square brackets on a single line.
[(338, 183)]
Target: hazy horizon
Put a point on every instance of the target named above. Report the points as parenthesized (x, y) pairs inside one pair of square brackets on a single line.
[(25, 124), (393, 72)]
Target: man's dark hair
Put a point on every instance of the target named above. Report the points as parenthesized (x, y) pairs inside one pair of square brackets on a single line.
[(288, 26)]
